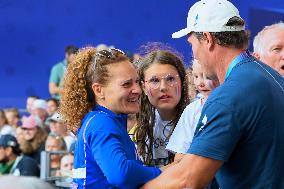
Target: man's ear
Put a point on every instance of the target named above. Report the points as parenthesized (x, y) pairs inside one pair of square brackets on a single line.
[(98, 90), (209, 40), (256, 55)]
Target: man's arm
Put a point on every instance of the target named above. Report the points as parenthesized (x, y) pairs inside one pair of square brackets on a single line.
[(192, 171), (53, 89)]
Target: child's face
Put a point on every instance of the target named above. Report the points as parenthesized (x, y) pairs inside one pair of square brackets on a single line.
[(162, 85), (202, 84)]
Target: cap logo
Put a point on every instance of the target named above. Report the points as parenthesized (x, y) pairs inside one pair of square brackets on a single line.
[(195, 21)]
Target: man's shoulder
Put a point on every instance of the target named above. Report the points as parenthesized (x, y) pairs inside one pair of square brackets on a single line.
[(27, 161), (60, 64)]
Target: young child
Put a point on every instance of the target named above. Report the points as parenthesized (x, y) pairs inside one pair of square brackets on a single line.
[(182, 135)]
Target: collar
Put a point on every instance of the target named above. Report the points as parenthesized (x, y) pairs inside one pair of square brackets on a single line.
[(242, 56), (107, 111)]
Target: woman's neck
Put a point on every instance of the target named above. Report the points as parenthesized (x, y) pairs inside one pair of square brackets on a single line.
[(167, 115)]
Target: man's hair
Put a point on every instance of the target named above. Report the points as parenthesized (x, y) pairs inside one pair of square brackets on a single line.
[(235, 39), (258, 39), (71, 49)]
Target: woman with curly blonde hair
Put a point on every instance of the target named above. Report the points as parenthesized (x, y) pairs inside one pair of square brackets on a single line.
[(100, 89)]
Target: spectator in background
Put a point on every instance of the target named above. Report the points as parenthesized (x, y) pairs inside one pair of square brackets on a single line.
[(66, 165), (52, 106), (268, 46), (39, 109), (30, 101), (54, 143), (57, 126), (4, 127), (32, 137), (58, 70), (13, 117), (23, 182), (11, 160)]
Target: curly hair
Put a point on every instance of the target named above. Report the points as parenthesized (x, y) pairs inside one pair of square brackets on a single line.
[(146, 116), (78, 98)]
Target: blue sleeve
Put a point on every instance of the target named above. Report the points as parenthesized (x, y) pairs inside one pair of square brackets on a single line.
[(217, 132), (111, 157)]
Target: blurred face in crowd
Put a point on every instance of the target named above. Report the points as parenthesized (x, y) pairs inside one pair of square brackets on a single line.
[(122, 91), (57, 127), (52, 144), (5, 154), (41, 113), (29, 133), (66, 165), (273, 50), (67, 162), (12, 118), (3, 157), (3, 119), (69, 57), (51, 107), (162, 85), (29, 105)]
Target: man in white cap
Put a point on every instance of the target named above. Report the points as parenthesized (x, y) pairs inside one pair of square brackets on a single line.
[(268, 46), (57, 126), (239, 137), (39, 108)]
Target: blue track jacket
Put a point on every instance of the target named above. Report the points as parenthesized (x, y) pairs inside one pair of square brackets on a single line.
[(105, 156)]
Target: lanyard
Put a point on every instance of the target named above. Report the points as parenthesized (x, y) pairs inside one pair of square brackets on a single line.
[(244, 55)]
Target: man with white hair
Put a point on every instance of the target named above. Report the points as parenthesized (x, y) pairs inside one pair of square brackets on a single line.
[(268, 46), (39, 108), (239, 136)]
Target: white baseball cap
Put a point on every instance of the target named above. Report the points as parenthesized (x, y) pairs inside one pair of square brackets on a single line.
[(39, 103), (210, 16), (55, 117)]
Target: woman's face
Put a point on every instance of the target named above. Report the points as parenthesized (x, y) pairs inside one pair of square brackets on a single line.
[(29, 133), (2, 120), (51, 107), (122, 91), (162, 85)]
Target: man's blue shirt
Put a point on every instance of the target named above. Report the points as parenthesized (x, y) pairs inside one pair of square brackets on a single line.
[(242, 124), (108, 157)]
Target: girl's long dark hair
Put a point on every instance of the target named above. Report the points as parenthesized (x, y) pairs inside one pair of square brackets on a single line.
[(146, 116)]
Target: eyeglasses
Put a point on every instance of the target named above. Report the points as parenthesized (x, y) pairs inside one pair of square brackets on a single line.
[(155, 82)]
